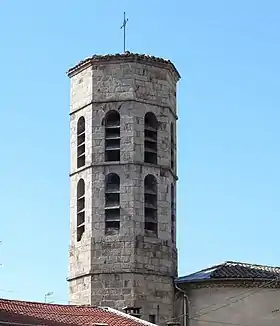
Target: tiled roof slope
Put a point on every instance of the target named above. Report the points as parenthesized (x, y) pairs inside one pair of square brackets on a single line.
[(124, 57), (232, 270), (35, 313)]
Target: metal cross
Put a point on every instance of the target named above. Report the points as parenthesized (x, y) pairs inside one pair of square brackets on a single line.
[(123, 26)]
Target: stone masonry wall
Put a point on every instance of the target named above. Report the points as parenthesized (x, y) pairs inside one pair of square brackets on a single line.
[(154, 293), (127, 81), (122, 82), (129, 268), (81, 89)]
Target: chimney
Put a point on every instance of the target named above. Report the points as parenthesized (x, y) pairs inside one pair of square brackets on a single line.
[(172, 323), (133, 311)]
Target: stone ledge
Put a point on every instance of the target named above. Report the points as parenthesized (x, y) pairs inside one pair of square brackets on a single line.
[(122, 101), (91, 273), (125, 163)]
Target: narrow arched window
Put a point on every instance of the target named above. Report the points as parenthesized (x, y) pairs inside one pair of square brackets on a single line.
[(80, 209), (112, 136), (173, 214), (150, 192), (172, 146), (81, 147), (112, 203), (150, 147)]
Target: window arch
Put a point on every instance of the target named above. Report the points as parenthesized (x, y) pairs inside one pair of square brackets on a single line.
[(150, 193), (112, 203), (80, 209), (150, 147), (172, 146), (112, 136), (173, 214), (81, 147)]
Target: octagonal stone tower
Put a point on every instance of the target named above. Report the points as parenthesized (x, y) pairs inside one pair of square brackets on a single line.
[(123, 184)]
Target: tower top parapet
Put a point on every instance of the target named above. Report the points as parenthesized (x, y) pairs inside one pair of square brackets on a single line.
[(124, 58)]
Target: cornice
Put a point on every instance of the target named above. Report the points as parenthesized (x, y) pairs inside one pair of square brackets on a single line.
[(124, 57), (232, 283)]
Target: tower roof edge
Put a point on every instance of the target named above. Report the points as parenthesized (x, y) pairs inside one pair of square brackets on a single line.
[(124, 57)]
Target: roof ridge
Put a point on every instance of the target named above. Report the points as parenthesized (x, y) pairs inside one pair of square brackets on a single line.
[(210, 267), (249, 264), (45, 303)]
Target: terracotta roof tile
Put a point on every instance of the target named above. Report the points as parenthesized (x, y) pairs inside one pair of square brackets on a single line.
[(35, 313)]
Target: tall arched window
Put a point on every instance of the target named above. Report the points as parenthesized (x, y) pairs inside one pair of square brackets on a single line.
[(112, 136), (150, 148), (172, 146), (112, 203), (81, 147), (173, 213), (150, 192), (80, 209)]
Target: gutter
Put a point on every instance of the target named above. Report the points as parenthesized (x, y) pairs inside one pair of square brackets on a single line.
[(186, 307), (245, 279)]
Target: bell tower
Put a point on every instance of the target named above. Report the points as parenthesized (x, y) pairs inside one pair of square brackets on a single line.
[(123, 184)]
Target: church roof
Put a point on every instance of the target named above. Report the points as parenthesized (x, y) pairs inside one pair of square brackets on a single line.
[(35, 313), (231, 270), (124, 57)]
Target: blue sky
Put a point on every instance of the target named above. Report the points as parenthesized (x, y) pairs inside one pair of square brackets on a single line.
[(228, 192)]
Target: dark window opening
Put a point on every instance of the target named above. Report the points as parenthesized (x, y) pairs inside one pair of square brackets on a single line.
[(81, 139), (150, 228), (172, 146), (80, 203), (112, 204), (112, 200), (151, 146), (112, 227), (81, 161), (173, 214), (150, 158), (80, 232), (80, 209), (112, 119), (112, 183), (81, 148), (112, 133), (150, 194), (112, 156), (150, 135), (112, 136), (112, 144), (152, 319), (80, 219), (150, 201), (112, 213)]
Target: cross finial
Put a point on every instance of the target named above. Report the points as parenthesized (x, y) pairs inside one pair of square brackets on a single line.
[(125, 20)]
